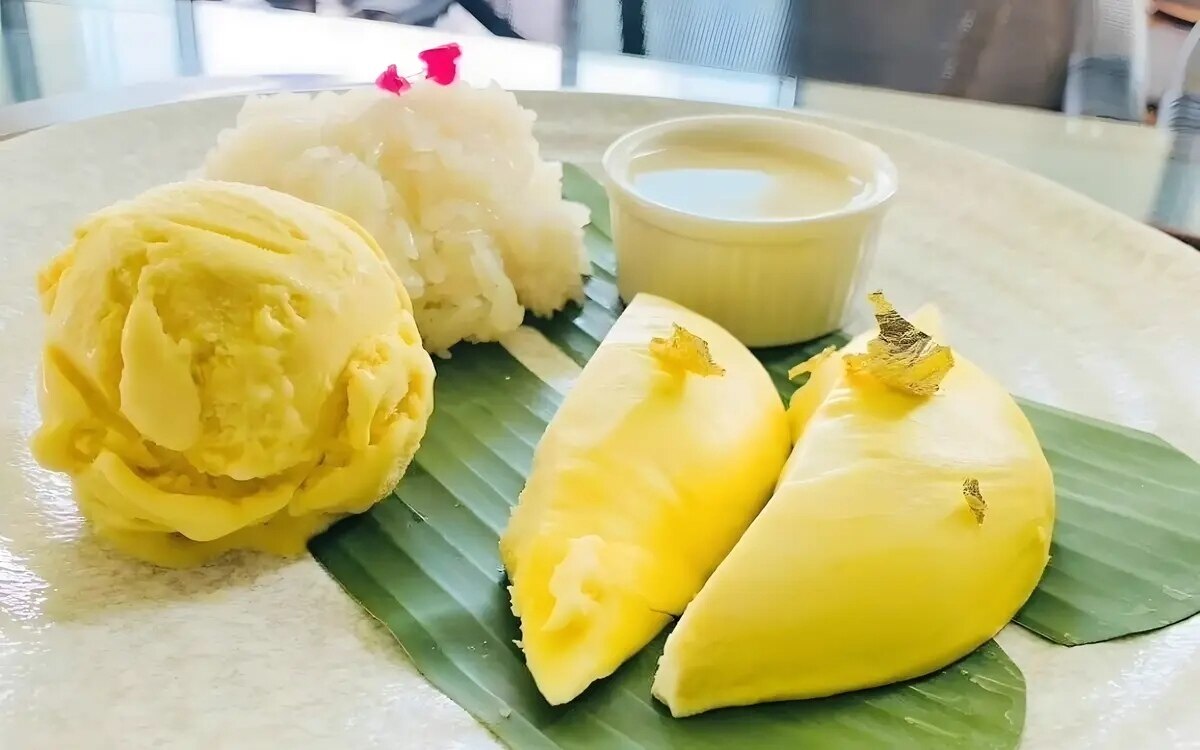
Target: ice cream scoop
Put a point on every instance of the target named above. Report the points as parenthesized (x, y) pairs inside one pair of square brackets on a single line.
[(226, 366)]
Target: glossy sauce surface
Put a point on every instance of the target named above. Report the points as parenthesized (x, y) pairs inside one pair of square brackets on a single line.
[(743, 181)]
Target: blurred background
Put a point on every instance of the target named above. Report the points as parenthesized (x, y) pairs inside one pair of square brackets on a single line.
[(1111, 58), (1070, 89)]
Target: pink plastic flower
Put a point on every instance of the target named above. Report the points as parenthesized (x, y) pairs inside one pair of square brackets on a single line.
[(441, 63), (390, 80)]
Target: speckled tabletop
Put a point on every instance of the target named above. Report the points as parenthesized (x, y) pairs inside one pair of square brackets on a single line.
[(1066, 302)]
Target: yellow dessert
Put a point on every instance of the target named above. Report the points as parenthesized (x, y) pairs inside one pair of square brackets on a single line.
[(659, 457), (226, 367), (911, 522)]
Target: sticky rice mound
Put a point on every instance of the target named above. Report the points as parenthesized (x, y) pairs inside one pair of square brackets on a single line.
[(449, 181)]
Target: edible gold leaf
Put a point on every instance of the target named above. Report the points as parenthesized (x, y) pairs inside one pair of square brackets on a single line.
[(684, 352), (812, 363), (901, 356), (974, 498)]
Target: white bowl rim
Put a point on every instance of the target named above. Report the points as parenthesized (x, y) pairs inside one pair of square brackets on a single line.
[(884, 183)]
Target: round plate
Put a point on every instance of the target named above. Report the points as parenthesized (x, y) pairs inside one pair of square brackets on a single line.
[(1065, 301)]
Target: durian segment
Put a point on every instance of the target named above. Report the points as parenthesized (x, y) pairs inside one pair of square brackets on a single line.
[(660, 456), (867, 566)]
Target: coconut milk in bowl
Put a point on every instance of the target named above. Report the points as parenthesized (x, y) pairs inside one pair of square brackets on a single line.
[(764, 224)]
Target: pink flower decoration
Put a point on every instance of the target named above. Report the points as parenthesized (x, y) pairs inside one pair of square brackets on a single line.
[(390, 80), (441, 63)]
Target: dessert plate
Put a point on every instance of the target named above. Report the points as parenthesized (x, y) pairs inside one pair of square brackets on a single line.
[(1064, 301)]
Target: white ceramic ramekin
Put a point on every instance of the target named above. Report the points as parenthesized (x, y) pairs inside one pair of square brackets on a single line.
[(768, 281)]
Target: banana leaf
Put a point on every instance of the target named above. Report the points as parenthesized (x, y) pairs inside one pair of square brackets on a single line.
[(1125, 557), (425, 562)]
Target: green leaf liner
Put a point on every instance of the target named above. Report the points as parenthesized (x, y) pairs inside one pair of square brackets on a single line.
[(1126, 552), (425, 562)]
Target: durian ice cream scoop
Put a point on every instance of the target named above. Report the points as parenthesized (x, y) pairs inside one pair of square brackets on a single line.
[(226, 366)]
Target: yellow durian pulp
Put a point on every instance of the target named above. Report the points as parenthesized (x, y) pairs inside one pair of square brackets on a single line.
[(660, 456), (874, 561)]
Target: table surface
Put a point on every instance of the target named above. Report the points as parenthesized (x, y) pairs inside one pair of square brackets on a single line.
[(89, 57)]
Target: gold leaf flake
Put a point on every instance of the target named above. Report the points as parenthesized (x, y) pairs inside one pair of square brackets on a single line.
[(974, 498), (684, 352), (812, 363), (902, 356)]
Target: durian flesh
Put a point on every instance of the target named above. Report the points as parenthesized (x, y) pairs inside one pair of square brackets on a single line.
[(660, 456), (874, 561)]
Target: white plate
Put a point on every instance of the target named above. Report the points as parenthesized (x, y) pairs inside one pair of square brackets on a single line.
[(1063, 300)]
